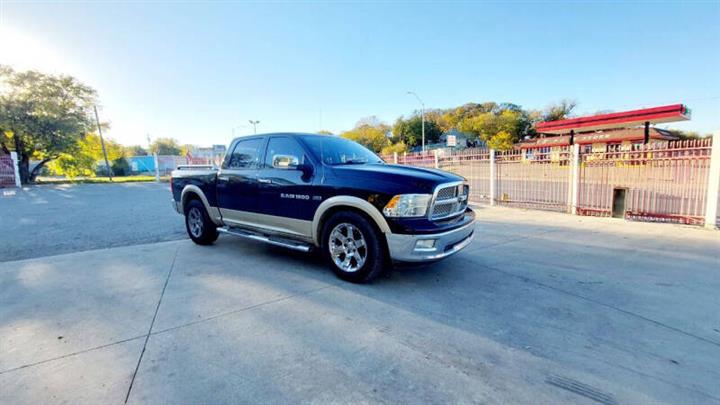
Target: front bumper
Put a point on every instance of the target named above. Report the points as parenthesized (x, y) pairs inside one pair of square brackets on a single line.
[(403, 248), (176, 206)]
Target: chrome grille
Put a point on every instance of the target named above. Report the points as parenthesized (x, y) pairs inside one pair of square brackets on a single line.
[(443, 210), (447, 192), (449, 200)]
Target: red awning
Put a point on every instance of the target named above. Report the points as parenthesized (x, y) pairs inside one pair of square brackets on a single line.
[(546, 142), (668, 113), (611, 136), (618, 136)]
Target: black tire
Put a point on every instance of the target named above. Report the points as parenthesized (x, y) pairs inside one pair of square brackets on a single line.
[(374, 247), (203, 232)]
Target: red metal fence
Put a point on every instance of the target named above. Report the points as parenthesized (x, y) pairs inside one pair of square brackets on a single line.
[(7, 171), (417, 159), (656, 182), (660, 182), (474, 165), (538, 180)]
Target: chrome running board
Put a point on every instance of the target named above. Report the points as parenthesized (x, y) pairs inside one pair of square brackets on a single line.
[(286, 243)]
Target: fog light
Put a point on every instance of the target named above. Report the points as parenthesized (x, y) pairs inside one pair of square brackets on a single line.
[(425, 244)]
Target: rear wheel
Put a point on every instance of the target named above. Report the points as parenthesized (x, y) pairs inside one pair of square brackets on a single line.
[(353, 247), (198, 224)]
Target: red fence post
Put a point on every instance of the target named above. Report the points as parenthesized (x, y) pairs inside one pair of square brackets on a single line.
[(574, 186), (712, 199), (493, 177)]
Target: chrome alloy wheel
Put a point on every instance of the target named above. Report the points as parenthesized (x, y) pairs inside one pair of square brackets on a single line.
[(195, 222), (347, 247)]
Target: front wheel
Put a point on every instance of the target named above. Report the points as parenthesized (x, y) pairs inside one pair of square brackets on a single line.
[(198, 224), (353, 247)]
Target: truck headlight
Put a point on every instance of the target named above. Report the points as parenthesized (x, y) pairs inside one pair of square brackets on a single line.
[(408, 205)]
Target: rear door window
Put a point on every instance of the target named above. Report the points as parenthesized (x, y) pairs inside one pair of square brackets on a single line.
[(246, 154)]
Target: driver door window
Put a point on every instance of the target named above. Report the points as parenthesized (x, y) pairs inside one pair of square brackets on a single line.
[(283, 153)]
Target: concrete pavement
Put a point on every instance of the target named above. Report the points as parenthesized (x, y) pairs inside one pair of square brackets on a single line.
[(54, 219), (542, 308)]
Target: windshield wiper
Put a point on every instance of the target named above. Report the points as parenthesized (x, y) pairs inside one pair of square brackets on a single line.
[(353, 162)]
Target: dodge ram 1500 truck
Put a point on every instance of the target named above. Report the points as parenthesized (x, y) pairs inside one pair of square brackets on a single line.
[(305, 191)]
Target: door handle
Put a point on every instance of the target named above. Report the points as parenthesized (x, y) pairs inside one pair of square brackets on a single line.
[(264, 180), (223, 178)]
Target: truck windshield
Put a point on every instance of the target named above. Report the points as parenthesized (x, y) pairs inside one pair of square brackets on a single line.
[(338, 151)]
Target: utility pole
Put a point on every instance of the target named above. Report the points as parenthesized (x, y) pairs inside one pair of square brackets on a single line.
[(422, 115), (254, 124), (102, 143)]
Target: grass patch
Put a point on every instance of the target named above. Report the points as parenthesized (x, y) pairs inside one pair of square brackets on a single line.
[(98, 180)]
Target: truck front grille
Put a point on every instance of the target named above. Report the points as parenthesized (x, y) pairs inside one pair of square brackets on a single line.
[(449, 201)]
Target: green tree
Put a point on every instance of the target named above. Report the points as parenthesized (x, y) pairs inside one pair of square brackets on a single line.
[(559, 111), (85, 156), (454, 116), (324, 132), (185, 149), (507, 125), (485, 120), (409, 131), (42, 116), (370, 133), (685, 135), (166, 146), (398, 147), (439, 117), (135, 150), (503, 140)]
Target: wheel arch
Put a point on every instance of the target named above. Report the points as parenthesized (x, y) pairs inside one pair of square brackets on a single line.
[(192, 191), (340, 203)]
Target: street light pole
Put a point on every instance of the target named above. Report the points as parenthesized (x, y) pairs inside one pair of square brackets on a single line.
[(422, 115), (254, 124), (102, 143)]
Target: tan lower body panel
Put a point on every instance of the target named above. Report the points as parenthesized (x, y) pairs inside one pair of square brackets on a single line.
[(297, 227)]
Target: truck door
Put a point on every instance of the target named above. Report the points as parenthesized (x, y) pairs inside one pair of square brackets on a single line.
[(237, 186), (285, 184)]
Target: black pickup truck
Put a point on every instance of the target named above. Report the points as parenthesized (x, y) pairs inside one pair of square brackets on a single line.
[(306, 191)]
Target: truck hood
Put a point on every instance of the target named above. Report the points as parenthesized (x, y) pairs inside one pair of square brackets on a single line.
[(408, 178)]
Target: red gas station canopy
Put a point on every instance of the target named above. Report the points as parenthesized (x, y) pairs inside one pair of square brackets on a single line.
[(655, 115)]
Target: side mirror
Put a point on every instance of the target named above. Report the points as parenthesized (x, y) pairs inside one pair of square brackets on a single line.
[(306, 169), (287, 162)]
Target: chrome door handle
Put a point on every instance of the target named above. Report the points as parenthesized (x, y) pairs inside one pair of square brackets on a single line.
[(223, 178), (264, 181)]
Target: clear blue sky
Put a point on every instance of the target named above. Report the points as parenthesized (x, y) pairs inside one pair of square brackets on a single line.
[(195, 70)]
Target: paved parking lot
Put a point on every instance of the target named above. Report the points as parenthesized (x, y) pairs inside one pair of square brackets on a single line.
[(542, 308), (50, 220)]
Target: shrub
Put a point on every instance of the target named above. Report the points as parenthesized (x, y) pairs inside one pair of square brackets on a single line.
[(120, 167), (399, 147)]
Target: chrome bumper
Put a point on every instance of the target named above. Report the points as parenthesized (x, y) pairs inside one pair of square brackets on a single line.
[(403, 248)]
